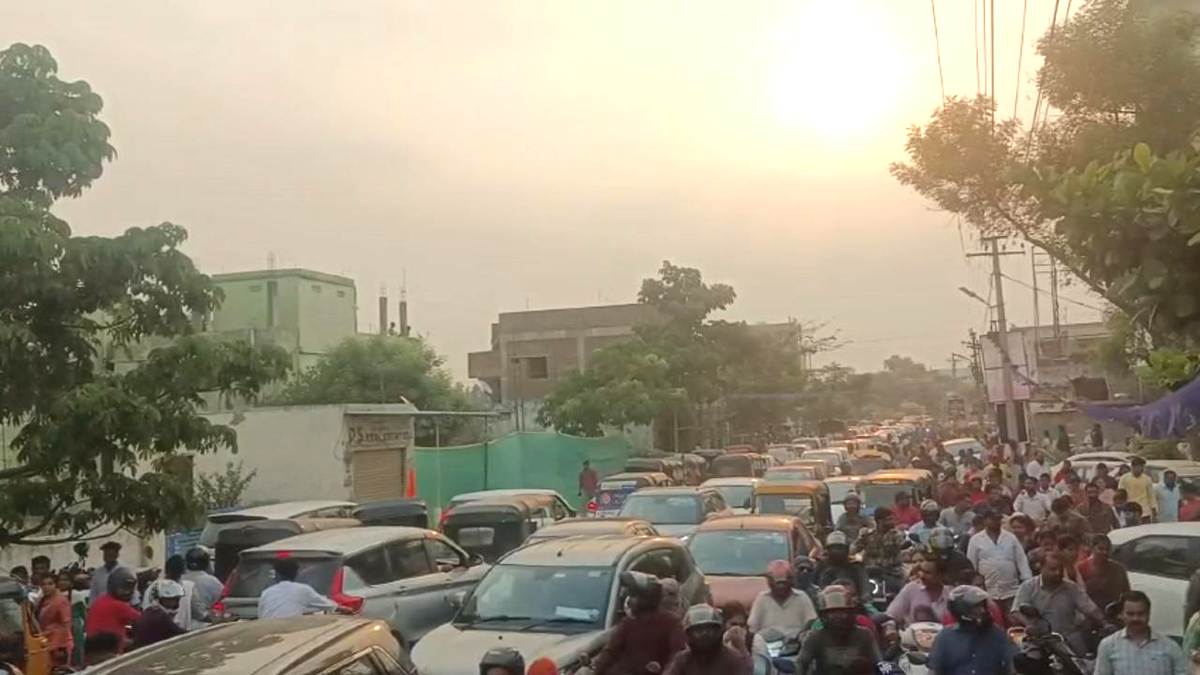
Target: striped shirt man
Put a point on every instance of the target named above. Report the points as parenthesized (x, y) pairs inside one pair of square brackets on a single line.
[(1120, 654)]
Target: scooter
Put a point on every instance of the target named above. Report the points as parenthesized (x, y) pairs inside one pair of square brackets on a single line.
[(917, 641), (783, 649)]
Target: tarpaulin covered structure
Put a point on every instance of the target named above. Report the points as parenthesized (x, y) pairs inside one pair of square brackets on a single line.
[(1172, 416)]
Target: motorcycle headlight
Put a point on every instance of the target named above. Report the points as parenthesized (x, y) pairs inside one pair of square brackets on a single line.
[(925, 639)]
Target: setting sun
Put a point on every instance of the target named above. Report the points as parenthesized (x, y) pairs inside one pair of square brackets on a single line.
[(838, 70)]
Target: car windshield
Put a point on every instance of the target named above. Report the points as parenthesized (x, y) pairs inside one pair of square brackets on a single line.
[(792, 505), (541, 594), (254, 573), (736, 496), (839, 491), (208, 536), (788, 475), (881, 494), (663, 509), (741, 553)]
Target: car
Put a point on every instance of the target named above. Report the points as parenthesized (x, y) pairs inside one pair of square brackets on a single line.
[(675, 511), (615, 489), (955, 446), (1159, 559), (794, 471), (1084, 465), (839, 488), (304, 645), (281, 511), (738, 491), (832, 458), (546, 518), (593, 527), (734, 553), (402, 575), (555, 599)]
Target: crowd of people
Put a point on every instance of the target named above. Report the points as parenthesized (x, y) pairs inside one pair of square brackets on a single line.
[(90, 615)]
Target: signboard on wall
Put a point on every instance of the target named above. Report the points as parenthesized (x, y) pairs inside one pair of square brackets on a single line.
[(1021, 352), (378, 451)]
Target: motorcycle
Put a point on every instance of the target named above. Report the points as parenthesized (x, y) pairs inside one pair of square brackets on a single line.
[(783, 649), (1043, 651), (917, 641)]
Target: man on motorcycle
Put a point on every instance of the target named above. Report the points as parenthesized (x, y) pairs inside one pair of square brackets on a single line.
[(642, 644), (930, 512), (922, 598), (837, 565), (852, 522), (1059, 601), (781, 606), (840, 646), (974, 645), (953, 562), (706, 653), (882, 547)]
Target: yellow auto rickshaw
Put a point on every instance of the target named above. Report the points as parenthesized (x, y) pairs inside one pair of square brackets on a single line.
[(866, 462), (881, 487), (809, 500), (16, 619)]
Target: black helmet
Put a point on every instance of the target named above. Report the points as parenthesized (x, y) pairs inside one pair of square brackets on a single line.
[(197, 558), (963, 602), (502, 657)]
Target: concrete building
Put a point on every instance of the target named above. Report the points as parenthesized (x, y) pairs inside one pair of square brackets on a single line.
[(532, 350)]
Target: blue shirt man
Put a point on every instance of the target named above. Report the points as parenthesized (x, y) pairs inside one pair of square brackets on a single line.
[(962, 650), (1168, 496)]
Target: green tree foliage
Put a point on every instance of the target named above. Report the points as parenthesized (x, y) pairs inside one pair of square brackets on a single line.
[(1120, 73), (675, 369), (903, 387), (92, 440), (383, 369), (224, 489)]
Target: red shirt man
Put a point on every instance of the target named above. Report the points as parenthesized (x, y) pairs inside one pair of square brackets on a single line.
[(110, 615)]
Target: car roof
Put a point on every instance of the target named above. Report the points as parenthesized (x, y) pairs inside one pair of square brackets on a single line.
[(594, 526), (749, 522), (263, 647), (345, 541), (845, 479), (1101, 456), (507, 492), (961, 440), (628, 475), (732, 480), (668, 490), (581, 551), (1124, 534), (281, 510)]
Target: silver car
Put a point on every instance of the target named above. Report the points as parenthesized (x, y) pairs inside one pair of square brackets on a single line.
[(555, 599), (402, 575)]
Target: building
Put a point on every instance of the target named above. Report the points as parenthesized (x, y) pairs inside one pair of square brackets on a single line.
[(533, 350)]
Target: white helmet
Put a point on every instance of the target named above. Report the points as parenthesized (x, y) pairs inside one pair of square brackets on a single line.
[(169, 589)]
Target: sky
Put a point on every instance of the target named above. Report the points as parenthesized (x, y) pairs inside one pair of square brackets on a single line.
[(498, 156)]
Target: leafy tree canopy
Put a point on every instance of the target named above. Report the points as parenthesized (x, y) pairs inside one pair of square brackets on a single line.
[(94, 445)]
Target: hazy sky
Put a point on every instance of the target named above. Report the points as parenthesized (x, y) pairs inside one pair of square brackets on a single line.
[(548, 153)]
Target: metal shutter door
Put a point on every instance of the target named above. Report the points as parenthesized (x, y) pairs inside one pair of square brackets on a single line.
[(378, 474)]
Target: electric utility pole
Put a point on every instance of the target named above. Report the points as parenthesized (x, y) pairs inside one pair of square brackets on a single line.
[(1008, 426)]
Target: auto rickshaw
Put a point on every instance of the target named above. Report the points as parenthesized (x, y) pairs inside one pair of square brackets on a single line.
[(881, 487), (695, 469), (231, 541), (21, 643), (866, 462), (490, 528), (396, 512), (670, 465), (809, 500), (614, 489), (746, 464)]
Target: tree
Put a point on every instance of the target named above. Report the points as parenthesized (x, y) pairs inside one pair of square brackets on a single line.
[(383, 369), (223, 490), (95, 446), (1120, 224)]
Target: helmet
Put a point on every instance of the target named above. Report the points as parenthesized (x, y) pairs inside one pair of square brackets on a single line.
[(169, 589), (930, 505), (701, 615), (964, 599), (502, 657), (834, 597), (780, 570), (837, 538), (941, 540), (643, 586), (196, 558)]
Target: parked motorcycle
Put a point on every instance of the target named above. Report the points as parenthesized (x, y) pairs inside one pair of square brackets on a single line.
[(917, 641)]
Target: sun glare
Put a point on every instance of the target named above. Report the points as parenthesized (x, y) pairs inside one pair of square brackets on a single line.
[(839, 71)]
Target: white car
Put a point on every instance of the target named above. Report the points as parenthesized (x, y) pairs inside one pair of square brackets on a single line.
[(1084, 464), (1160, 558), (957, 445), (737, 491)]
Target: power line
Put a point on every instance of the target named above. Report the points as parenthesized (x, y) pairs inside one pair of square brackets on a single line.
[(1020, 56), (1046, 292), (937, 42), (1038, 102), (984, 32), (975, 37), (992, 21)]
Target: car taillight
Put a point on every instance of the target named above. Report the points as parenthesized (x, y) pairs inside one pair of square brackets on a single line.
[(350, 602), (219, 606), (592, 506), (443, 517)]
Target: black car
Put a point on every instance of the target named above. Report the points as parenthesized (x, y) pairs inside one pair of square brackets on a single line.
[(308, 645)]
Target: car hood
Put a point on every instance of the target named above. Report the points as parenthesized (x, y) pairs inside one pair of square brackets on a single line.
[(450, 650), (677, 531), (742, 589)]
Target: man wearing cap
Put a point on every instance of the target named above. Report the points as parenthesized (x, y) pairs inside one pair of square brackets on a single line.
[(157, 623), (853, 522), (111, 551), (707, 653), (781, 606), (930, 513), (1138, 486)]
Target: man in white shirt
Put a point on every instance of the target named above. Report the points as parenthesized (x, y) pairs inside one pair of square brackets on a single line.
[(287, 598), (781, 606), (998, 556), (1032, 503), (1036, 466)]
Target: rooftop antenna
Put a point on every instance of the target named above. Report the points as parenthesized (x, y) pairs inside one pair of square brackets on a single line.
[(403, 316)]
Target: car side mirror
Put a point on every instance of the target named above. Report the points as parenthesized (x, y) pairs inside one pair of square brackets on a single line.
[(474, 560), (457, 599)]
